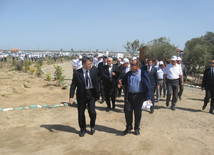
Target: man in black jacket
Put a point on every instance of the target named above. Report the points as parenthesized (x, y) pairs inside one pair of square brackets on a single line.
[(208, 84), (100, 69), (152, 72), (86, 81), (110, 75)]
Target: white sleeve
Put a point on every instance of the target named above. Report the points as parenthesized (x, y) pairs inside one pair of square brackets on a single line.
[(181, 72)]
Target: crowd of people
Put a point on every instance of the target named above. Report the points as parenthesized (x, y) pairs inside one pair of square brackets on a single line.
[(140, 83)]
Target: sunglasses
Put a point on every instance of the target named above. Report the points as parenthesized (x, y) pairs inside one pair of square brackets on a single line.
[(108, 61)]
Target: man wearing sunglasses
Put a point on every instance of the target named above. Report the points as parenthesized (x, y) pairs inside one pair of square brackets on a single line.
[(208, 84), (137, 90)]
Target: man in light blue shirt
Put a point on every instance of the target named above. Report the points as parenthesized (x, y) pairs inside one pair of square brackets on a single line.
[(137, 90)]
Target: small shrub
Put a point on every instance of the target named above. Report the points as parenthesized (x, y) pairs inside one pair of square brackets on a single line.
[(40, 62), (58, 74), (48, 77), (38, 71), (26, 66), (32, 70), (19, 65)]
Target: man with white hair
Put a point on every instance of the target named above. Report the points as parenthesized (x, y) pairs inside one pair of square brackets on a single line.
[(172, 73), (110, 75), (183, 67)]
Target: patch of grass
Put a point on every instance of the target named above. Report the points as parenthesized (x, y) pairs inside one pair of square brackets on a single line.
[(12, 69), (6, 78), (3, 95)]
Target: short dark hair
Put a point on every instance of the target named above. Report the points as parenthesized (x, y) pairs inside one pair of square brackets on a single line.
[(84, 59), (138, 62), (149, 60)]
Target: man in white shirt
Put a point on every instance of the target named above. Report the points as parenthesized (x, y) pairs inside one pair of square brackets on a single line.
[(79, 63), (160, 73), (172, 73), (74, 61)]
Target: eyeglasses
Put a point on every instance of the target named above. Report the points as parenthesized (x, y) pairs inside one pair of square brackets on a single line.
[(133, 64), (108, 61), (212, 62)]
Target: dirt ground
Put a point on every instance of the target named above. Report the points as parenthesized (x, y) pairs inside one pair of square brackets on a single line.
[(187, 130)]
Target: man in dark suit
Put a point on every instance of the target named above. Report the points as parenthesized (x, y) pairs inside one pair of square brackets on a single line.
[(152, 72), (183, 67), (100, 69), (208, 84), (119, 65), (86, 81), (137, 90), (110, 75)]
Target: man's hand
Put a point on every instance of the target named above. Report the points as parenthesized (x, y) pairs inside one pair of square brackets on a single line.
[(120, 83), (149, 101), (164, 82), (71, 100), (113, 74), (182, 84), (157, 87)]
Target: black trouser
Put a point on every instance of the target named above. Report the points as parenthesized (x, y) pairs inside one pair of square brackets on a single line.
[(110, 92), (181, 89), (172, 89), (102, 92), (153, 88), (134, 103), (91, 110), (209, 94)]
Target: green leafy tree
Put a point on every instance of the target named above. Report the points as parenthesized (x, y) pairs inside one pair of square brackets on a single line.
[(160, 49), (133, 47), (197, 54)]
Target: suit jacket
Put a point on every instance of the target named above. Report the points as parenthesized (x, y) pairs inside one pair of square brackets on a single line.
[(153, 77), (100, 68), (106, 78), (122, 71), (183, 67), (79, 82), (207, 79), (145, 84)]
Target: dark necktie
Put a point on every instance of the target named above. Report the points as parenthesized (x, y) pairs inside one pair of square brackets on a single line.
[(87, 79)]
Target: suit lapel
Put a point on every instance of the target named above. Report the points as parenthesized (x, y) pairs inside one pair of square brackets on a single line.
[(81, 76)]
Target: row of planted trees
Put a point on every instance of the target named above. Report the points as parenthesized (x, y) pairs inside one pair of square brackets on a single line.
[(34, 68), (196, 56)]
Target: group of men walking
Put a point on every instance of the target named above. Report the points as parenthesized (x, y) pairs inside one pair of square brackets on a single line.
[(138, 82)]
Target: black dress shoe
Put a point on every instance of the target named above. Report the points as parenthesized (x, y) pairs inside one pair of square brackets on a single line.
[(137, 132), (152, 110), (92, 130), (101, 102), (82, 133), (167, 104), (107, 109), (127, 131), (211, 111), (204, 106), (173, 108), (180, 98), (113, 107)]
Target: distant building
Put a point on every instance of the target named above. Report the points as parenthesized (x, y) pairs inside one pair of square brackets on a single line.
[(179, 52)]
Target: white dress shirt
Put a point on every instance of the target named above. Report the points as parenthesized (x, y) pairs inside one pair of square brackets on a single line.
[(90, 86), (173, 72)]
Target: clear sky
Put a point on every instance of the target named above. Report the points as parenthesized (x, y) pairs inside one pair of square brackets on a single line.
[(99, 24)]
